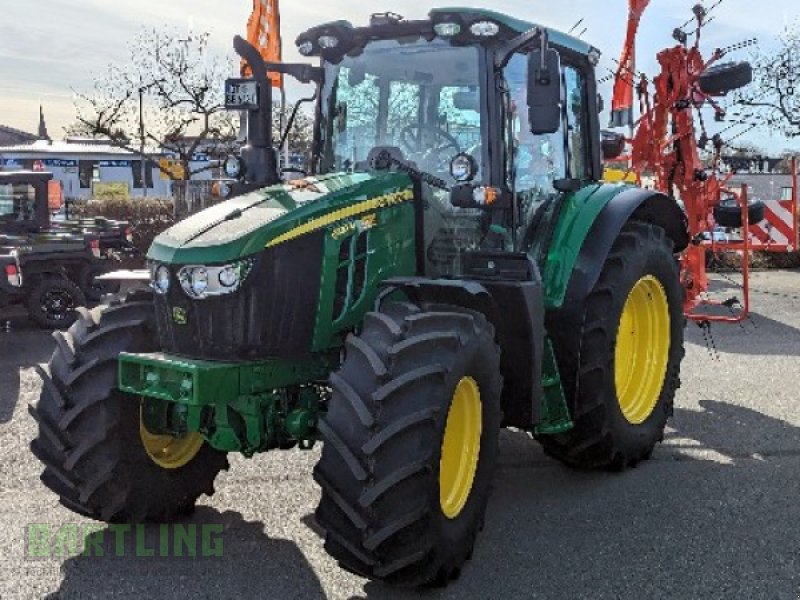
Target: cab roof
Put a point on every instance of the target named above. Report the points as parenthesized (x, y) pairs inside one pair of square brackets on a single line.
[(556, 37), (389, 25)]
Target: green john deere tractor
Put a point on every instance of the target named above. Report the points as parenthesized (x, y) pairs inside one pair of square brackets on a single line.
[(451, 265)]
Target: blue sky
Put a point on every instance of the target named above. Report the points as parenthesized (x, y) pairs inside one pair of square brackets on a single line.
[(47, 52)]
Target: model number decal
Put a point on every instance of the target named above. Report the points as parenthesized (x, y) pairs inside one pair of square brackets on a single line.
[(356, 210), (363, 224)]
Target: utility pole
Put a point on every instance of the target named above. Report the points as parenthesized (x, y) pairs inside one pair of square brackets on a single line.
[(142, 161)]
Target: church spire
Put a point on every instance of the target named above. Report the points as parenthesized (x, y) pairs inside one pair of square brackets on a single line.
[(43, 135)]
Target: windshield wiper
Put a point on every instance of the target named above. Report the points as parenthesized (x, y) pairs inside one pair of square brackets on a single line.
[(385, 158)]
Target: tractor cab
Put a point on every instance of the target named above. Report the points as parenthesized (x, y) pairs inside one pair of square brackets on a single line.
[(450, 100)]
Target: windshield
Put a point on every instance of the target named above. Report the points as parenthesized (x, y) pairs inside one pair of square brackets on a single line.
[(17, 202), (419, 96)]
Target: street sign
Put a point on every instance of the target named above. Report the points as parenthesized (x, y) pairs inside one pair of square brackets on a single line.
[(241, 94), (171, 170)]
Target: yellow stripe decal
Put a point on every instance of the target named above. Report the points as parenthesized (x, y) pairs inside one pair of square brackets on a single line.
[(318, 223)]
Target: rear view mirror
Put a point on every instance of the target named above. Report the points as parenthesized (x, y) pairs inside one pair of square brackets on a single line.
[(467, 101), (356, 76), (544, 91), (613, 144)]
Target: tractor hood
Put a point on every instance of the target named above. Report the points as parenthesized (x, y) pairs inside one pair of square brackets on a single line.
[(246, 225)]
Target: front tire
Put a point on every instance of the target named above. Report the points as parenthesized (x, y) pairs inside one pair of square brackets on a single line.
[(90, 437), (627, 369), (410, 444)]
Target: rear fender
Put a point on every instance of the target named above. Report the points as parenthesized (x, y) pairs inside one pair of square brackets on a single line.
[(633, 204), (589, 222)]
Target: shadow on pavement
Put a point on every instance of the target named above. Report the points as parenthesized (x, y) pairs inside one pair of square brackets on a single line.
[(251, 564), (736, 432), (760, 335), (675, 527), (22, 346)]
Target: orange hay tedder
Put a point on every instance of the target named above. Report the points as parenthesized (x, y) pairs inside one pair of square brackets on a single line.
[(667, 146)]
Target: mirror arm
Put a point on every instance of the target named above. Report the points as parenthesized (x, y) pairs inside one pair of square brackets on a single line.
[(518, 43), (293, 116), (304, 73)]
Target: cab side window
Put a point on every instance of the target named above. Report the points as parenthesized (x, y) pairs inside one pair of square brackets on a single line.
[(538, 159), (575, 109)]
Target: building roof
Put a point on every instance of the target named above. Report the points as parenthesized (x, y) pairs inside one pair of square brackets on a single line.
[(44, 147), (763, 186), (17, 135)]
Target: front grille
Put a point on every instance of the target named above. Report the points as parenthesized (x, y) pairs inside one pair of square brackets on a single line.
[(273, 314)]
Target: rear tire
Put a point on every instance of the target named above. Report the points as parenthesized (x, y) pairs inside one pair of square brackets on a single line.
[(606, 432), (52, 303), (89, 439), (384, 499)]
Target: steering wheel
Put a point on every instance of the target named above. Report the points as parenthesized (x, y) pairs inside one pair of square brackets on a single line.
[(415, 144)]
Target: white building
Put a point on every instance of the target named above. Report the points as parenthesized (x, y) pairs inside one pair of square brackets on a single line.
[(88, 168)]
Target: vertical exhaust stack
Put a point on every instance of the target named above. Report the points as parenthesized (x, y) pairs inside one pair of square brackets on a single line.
[(258, 156)]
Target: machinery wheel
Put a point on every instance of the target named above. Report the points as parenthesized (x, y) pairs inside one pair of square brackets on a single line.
[(410, 443), (726, 77), (628, 366), (95, 290), (728, 213), (52, 303), (98, 457)]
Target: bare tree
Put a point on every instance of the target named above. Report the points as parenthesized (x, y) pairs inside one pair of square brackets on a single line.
[(167, 98), (773, 101)]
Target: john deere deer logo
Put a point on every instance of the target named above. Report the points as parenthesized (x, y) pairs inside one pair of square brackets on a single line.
[(179, 315)]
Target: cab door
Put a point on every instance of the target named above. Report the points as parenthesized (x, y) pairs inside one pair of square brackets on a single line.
[(538, 165)]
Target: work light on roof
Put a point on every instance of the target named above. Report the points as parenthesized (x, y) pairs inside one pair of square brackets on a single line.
[(328, 42), (447, 29), (484, 29), (306, 48)]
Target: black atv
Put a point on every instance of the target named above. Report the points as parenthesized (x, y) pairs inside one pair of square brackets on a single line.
[(25, 212), (37, 277)]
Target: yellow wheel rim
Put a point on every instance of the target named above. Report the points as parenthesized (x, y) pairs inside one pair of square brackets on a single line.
[(460, 448), (642, 352), (170, 452)]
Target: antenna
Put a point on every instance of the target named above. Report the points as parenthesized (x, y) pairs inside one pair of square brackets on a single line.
[(738, 46), (574, 27)]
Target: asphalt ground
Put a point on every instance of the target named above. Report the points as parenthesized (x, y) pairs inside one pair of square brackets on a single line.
[(714, 514)]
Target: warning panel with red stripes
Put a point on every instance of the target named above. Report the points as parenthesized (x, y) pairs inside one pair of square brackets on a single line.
[(778, 232)]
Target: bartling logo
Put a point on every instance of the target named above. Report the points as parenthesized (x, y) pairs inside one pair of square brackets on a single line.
[(43, 540)]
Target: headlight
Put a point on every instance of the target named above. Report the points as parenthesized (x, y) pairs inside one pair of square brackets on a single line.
[(203, 281), (160, 280), (463, 168), (198, 282), (229, 276), (233, 167)]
